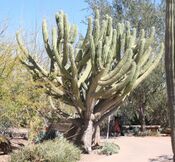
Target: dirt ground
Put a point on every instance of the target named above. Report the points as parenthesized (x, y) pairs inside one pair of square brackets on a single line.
[(136, 149), (132, 149)]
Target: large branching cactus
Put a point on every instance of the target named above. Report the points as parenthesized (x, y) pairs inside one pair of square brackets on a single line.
[(96, 74)]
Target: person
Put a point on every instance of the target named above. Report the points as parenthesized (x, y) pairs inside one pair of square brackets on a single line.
[(117, 126)]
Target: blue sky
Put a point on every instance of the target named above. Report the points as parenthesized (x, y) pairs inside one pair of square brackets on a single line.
[(28, 14)]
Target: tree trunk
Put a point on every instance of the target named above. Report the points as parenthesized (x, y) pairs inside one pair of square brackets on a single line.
[(170, 66), (91, 136), (142, 118), (96, 136), (85, 134)]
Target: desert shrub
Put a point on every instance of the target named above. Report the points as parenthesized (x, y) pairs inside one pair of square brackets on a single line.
[(36, 125), (109, 149), (58, 150), (147, 133), (5, 145)]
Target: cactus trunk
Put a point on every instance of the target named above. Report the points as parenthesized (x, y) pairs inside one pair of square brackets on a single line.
[(170, 65)]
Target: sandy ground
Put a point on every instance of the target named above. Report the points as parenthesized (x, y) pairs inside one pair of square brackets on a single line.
[(132, 149), (137, 149)]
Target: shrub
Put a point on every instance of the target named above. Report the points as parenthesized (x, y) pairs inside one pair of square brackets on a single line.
[(58, 150), (5, 145), (36, 124), (109, 149), (147, 133)]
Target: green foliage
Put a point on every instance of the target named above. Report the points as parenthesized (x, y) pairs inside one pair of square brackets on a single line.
[(20, 100), (58, 150), (147, 133), (109, 149), (36, 125)]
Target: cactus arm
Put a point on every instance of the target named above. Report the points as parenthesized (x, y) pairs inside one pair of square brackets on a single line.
[(106, 93), (99, 55), (31, 68), (151, 39), (47, 46), (73, 34), (54, 44), (74, 80), (29, 57), (40, 70), (106, 105), (134, 37), (88, 33), (96, 29), (21, 45), (146, 66), (57, 54), (85, 74), (57, 90), (38, 67), (46, 39), (151, 68), (103, 29), (145, 56), (122, 62), (130, 85), (60, 25), (84, 60), (92, 52), (65, 43), (121, 72), (109, 27), (95, 81), (122, 44), (112, 50), (141, 47), (100, 116), (105, 52), (90, 100), (72, 60), (79, 56), (128, 35), (114, 42), (142, 34)]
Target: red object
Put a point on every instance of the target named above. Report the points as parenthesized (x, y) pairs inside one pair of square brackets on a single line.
[(117, 127)]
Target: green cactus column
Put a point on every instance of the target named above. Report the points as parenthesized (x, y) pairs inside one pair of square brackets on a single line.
[(170, 65)]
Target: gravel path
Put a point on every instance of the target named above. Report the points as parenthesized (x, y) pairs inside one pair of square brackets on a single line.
[(137, 149)]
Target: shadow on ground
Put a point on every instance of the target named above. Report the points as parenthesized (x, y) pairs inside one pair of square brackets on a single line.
[(162, 158)]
